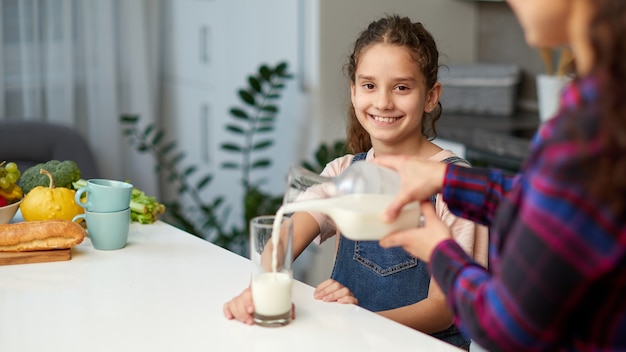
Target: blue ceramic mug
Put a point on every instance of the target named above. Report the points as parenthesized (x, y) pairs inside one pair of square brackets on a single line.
[(107, 231), (104, 196)]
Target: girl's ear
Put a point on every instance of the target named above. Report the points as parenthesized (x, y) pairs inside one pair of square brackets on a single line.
[(433, 97), (352, 92)]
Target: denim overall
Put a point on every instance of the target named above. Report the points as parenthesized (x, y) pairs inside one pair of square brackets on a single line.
[(383, 279)]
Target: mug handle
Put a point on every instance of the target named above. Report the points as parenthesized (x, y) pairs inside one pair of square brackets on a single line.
[(77, 197), (78, 217)]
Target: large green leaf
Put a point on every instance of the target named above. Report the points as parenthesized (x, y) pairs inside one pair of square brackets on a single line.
[(204, 181), (263, 129), (246, 97), (255, 84), (239, 113), (148, 130), (265, 72), (158, 137), (129, 119), (278, 86), (269, 108), (262, 145), (235, 129), (261, 163), (230, 165), (231, 147), (190, 170), (281, 68)]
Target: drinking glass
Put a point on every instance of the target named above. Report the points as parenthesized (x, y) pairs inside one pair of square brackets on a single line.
[(272, 276)]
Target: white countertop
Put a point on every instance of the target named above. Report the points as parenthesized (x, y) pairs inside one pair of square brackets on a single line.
[(164, 292)]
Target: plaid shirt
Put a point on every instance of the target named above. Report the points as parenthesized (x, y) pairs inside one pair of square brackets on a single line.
[(557, 277)]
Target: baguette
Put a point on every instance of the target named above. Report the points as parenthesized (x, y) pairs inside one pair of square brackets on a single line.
[(40, 235)]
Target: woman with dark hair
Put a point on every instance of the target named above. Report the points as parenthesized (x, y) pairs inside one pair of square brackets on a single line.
[(557, 267)]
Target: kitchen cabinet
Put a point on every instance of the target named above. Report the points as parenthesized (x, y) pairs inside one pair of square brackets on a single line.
[(190, 36)]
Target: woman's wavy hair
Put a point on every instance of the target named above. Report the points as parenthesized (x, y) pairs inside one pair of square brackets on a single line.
[(402, 32), (607, 34)]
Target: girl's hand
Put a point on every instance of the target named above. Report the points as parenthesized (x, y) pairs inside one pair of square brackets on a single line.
[(332, 291), (420, 241), (420, 179), (240, 307)]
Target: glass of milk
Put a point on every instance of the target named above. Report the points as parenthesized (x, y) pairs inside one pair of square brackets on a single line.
[(271, 253)]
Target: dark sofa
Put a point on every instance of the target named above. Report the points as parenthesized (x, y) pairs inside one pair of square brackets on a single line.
[(31, 142)]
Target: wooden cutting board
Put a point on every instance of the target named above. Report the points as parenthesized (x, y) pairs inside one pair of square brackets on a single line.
[(54, 255)]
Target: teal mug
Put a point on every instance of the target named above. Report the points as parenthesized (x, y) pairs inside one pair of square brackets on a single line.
[(107, 231), (105, 196)]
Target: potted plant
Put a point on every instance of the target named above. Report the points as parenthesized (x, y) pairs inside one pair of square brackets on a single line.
[(251, 126)]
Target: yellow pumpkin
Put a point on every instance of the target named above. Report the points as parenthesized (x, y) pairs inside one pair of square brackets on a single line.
[(49, 203)]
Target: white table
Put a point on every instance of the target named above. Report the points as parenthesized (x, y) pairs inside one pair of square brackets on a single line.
[(164, 292)]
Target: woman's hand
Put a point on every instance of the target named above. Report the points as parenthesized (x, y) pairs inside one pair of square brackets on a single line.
[(420, 241), (420, 180), (332, 291)]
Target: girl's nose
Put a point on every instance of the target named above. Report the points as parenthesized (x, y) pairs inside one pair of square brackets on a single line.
[(383, 100)]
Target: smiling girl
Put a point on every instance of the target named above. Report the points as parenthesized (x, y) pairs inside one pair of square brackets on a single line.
[(395, 103)]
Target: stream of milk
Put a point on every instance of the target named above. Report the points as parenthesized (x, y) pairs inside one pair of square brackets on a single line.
[(358, 216)]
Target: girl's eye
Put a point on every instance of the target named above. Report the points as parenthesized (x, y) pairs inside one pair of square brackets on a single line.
[(402, 88), (368, 86)]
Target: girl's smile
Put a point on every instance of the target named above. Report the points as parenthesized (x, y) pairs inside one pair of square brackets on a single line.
[(384, 119)]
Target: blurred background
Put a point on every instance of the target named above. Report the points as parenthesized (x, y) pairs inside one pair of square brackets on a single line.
[(178, 66)]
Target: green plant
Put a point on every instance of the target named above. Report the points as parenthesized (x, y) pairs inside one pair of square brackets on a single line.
[(169, 162), (251, 124), (324, 154)]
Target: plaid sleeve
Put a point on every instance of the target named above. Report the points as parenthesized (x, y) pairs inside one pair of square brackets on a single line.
[(474, 193)]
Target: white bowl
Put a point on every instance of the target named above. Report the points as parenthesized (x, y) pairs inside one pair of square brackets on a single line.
[(7, 212)]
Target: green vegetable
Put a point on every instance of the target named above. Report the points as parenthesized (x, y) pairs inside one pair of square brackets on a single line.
[(143, 209), (63, 172), (79, 184)]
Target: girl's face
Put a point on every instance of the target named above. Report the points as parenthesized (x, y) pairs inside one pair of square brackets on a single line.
[(545, 23), (389, 95)]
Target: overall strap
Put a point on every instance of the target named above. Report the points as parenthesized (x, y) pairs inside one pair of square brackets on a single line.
[(359, 156), (456, 159)]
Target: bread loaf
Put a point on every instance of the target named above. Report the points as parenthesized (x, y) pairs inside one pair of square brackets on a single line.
[(40, 235)]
